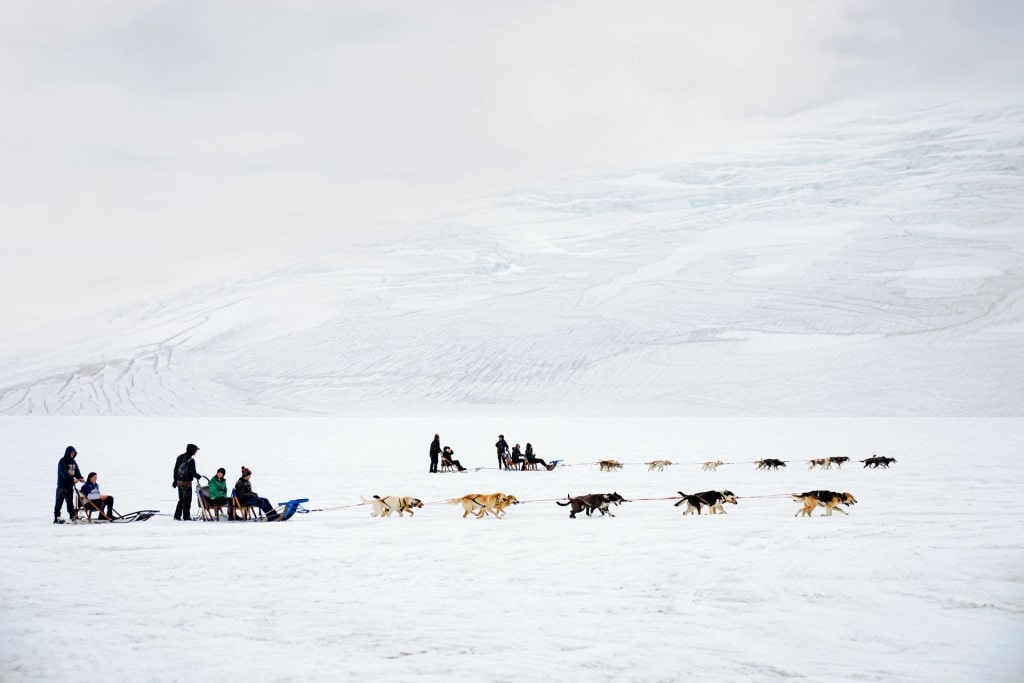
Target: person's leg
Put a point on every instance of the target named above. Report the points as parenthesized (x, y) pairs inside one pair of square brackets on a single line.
[(63, 495), (268, 509), (69, 499), (109, 503), (177, 508), (185, 499)]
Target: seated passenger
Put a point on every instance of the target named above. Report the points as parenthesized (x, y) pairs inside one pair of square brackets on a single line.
[(447, 453), (97, 501), (247, 497), (532, 460), (517, 457), (219, 490)]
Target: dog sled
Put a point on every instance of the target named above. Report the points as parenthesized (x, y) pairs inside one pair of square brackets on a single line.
[(86, 508), (235, 511)]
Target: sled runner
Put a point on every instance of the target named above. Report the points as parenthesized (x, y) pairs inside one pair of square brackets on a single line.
[(289, 509), (87, 508), (237, 512)]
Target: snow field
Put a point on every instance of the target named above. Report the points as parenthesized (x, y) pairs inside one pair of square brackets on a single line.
[(920, 582)]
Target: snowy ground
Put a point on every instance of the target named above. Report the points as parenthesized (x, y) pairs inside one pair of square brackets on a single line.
[(921, 582)]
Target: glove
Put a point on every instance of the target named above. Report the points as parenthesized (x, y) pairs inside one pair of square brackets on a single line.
[(174, 484)]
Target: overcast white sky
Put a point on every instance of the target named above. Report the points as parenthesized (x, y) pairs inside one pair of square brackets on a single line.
[(149, 144)]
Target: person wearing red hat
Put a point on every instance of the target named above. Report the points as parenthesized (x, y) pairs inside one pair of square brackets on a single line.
[(246, 496)]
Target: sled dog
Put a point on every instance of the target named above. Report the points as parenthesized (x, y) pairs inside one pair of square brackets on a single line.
[(826, 499), (712, 499), (384, 505), (480, 504), (591, 502)]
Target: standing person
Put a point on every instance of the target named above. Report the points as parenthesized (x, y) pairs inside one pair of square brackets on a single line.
[(246, 496), (101, 501), (67, 474), (435, 451), (502, 447), (184, 473)]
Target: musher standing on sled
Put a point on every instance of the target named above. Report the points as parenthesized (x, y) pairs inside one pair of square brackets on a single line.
[(67, 474), (184, 473)]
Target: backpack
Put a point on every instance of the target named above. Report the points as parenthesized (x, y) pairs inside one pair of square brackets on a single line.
[(183, 469)]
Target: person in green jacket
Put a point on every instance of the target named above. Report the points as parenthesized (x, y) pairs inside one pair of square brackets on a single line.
[(219, 488)]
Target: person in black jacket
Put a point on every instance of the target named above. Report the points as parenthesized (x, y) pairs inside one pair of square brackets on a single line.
[(502, 447), (246, 496), (447, 454), (517, 457), (184, 473), (67, 474), (435, 451), (531, 459)]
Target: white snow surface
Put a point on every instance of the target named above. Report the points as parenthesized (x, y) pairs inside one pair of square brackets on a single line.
[(849, 264), (920, 582)]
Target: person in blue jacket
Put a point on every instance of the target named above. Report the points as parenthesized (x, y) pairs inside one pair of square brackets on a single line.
[(67, 474), (100, 501)]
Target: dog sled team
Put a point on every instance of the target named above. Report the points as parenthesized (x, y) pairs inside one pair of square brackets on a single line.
[(242, 503)]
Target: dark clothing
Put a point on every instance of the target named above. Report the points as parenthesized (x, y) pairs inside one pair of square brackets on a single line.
[(183, 510), (435, 451), (502, 447), (103, 505), (517, 457), (247, 497), (190, 468), (65, 496), (447, 454), (67, 474), (533, 460), (67, 470)]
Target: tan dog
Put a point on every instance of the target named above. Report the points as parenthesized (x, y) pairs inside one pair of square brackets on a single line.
[(480, 504), (609, 465), (499, 507), (826, 499), (711, 465), (660, 464), (383, 505)]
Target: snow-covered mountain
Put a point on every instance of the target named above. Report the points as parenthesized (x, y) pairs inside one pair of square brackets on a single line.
[(862, 266)]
